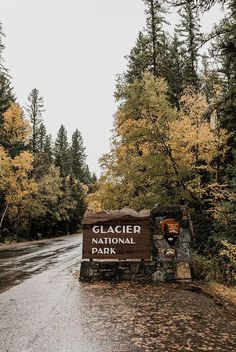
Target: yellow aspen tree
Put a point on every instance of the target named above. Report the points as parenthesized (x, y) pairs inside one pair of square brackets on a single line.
[(15, 182), (195, 142), (15, 128)]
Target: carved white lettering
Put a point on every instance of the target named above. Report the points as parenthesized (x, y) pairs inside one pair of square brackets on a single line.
[(112, 240), (129, 229), (106, 251), (96, 229), (118, 229), (137, 229)]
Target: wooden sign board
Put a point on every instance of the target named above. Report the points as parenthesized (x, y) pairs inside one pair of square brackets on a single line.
[(116, 236)]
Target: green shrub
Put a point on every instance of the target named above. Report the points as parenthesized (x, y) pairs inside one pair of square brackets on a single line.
[(217, 268)]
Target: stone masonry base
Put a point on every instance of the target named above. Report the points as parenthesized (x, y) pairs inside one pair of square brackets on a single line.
[(137, 271)]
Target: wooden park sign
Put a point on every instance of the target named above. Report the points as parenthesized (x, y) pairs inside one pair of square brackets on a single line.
[(120, 234)]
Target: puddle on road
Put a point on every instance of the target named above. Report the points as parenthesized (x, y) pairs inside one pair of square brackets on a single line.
[(13, 278), (17, 252), (151, 318)]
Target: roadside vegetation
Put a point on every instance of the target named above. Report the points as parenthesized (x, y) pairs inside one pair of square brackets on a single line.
[(43, 183), (174, 137)]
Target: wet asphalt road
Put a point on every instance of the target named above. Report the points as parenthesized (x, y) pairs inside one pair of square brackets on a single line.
[(44, 308)]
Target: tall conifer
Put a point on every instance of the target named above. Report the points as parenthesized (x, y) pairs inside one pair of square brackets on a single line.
[(189, 31), (61, 151), (154, 24), (139, 59), (35, 108), (77, 155), (6, 94)]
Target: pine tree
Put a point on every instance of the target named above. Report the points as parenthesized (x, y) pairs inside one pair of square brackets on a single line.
[(77, 213), (77, 155), (94, 177), (150, 50), (2, 46), (35, 109), (6, 95), (48, 148), (88, 179), (151, 53), (176, 64), (71, 206), (204, 5), (155, 20), (226, 46), (43, 159), (189, 30), (42, 134), (210, 79), (62, 153), (139, 59)]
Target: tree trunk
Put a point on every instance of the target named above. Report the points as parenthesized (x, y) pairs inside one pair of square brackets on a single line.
[(4, 214), (154, 40)]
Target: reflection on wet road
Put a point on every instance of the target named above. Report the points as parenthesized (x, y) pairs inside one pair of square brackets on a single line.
[(44, 308), (19, 263)]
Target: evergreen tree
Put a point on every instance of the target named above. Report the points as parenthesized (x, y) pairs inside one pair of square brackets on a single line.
[(43, 159), (175, 72), (151, 47), (154, 52), (87, 176), (48, 148), (62, 152), (2, 46), (35, 109), (94, 177), (203, 5), (139, 59), (226, 46), (189, 30), (210, 79), (155, 20), (77, 213), (71, 206), (43, 207), (6, 95), (77, 155), (42, 134)]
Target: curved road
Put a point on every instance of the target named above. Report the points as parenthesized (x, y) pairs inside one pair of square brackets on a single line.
[(44, 308)]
